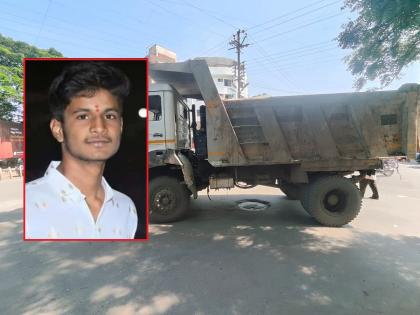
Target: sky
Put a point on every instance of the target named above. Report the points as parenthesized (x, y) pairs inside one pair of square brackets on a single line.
[(291, 43)]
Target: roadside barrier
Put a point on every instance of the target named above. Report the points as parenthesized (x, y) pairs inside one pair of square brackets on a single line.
[(11, 172)]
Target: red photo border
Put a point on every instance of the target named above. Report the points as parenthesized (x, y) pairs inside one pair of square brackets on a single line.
[(24, 155)]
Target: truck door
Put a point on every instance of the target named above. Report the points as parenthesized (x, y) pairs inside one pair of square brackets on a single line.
[(182, 125), (157, 132)]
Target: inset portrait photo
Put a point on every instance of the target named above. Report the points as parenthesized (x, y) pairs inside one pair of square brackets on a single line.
[(85, 149)]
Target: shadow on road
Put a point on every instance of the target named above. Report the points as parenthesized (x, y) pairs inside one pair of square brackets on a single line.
[(221, 260), (414, 166)]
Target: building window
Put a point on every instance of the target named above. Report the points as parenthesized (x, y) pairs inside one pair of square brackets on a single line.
[(219, 80), (227, 82)]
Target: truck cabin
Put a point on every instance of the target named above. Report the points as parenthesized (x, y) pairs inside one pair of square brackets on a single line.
[(169, 119)]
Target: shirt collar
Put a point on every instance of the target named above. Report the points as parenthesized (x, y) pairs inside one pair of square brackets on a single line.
[(66, 188)]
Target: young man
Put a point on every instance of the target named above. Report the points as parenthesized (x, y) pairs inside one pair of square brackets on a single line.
[(73, 200)]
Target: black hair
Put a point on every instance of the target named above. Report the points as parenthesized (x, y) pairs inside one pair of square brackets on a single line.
[(85, 78)]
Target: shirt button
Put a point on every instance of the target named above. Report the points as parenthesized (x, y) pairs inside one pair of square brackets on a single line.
[(99, 229)]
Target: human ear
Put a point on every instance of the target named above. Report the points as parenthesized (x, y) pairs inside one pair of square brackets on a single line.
[(57, 130)]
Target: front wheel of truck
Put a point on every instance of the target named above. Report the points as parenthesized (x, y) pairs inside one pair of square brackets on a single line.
[(168, 200), (332, 201)]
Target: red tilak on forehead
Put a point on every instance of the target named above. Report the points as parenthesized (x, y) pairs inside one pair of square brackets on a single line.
[(97, 108)]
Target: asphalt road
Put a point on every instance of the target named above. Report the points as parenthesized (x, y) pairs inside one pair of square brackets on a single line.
[(224, 260)]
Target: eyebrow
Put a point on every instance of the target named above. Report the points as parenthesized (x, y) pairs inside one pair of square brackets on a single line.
[(87, 110)]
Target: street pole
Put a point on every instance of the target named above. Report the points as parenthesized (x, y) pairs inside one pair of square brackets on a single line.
[(238, 44)]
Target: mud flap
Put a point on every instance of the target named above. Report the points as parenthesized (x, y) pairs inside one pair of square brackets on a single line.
[(187, 170)]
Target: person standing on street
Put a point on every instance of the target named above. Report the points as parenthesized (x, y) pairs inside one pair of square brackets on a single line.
[(369, 179)]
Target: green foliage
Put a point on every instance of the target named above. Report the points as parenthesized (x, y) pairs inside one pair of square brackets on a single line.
[(385, 38), (11, 74)]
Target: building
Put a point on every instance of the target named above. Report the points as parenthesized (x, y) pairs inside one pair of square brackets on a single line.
[(224, 76), (223, 70), (158, 54)]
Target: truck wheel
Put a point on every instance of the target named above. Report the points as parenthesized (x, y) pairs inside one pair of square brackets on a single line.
[(290, 190), (332, 201), (168, 200)]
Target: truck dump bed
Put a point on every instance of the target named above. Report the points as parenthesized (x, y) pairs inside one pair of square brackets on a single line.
[(347, 131), (312, 128)]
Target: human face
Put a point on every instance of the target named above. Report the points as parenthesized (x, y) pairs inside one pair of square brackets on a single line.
[(91, 127)]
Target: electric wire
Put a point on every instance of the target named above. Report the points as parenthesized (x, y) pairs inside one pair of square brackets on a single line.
[(283, 15), (296, 17)]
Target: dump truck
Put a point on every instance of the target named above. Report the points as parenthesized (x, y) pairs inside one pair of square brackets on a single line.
[(11, 143), (308, 146)]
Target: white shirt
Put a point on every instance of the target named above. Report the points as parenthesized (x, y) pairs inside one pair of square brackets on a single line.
[(55, 208)]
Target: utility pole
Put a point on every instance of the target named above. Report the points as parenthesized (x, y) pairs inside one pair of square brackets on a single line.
[(238, 44)]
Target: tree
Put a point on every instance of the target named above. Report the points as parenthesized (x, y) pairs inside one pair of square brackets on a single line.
[(11, 74), (385, 38)]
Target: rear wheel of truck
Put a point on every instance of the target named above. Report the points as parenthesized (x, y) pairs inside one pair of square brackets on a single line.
[(332, 201), (290, 190), (168, 200)]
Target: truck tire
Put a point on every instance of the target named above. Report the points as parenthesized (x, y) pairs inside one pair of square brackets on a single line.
[(168, 200), (290, 190), (332, 201)]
